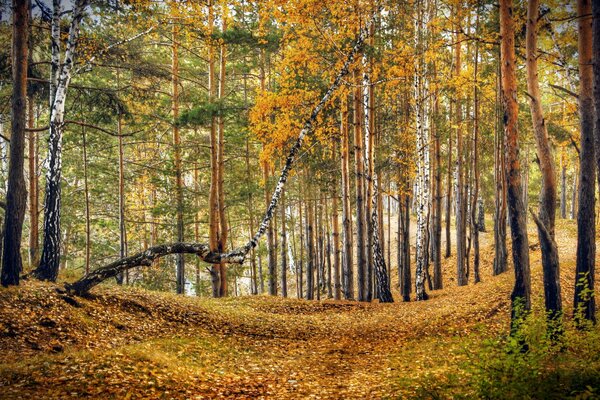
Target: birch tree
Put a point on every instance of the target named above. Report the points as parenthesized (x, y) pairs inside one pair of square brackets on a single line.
[(60, 78)]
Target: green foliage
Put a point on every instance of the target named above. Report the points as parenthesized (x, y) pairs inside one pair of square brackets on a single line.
[(565, 368)]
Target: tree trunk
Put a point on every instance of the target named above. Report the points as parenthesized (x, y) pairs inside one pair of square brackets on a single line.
[(520, 297), (16, 195), (310, 275), (347, 265), (300, 271), (88, 232), (584, 304), (406, 275), (361, 256), (50, 259), (437, 199), (563, 186), (122, 228), (179, 260), (213, 196), (422, 145), (475, 167), (223, 223), (33, 189), (500, 250), (461, 276), (337, 287), (383, 285), (547, 209), (284, 266)]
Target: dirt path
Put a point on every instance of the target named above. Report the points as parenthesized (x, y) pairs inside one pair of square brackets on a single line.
[(137, 344)]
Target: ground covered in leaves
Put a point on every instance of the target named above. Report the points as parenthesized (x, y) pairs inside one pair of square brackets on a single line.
[(128, 343)]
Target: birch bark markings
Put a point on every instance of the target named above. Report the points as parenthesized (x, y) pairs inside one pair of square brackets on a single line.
[(49, 263), (461, 276), (422, 148)]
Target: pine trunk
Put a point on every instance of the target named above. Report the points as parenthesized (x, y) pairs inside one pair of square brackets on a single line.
[(547, 209), (520, 297), (584, 303), (16, 195)]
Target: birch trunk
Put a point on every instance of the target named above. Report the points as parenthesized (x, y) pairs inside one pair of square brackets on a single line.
[(50, 259)]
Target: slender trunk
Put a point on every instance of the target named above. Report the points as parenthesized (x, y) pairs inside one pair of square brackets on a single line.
[(520, 297), (337, 287), (361, 256), (563, 186), (300, 271), (213, 197), (584, 304), (310, 276), (33, 188), (500, 250), (122, 229), (475, 167), (406, 275), (328, 249), (574, 193), (16, 195), (223, 223), (254, 281), (347, 265), (461, 276), (88, 232), (284, 266), (179, 260)]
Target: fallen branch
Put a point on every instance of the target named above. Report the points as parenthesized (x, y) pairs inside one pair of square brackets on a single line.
[(237, 256)]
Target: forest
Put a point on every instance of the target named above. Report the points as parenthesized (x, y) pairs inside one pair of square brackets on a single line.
[(299, 199)]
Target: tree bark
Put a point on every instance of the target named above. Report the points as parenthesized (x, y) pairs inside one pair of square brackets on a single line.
[(50, 259), (213, 196), (461, 276), (584, 303), (16, 195), (88, 231), (547, 209), (223, 223), (337, 286), (179, 260), (284, 265), (33, 189), (475, 167), (361, 256), (520, 296), (347, 265), (500, 250)]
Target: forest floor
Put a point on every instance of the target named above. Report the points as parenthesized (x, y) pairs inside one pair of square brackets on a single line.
[(129, 343)]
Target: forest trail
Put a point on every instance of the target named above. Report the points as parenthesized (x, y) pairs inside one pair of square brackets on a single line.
[(139, 344)]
